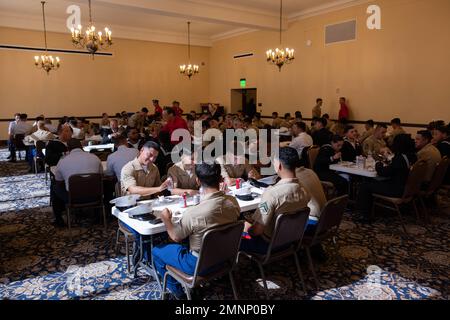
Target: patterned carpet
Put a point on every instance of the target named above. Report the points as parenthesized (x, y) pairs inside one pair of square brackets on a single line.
[(38, 261)]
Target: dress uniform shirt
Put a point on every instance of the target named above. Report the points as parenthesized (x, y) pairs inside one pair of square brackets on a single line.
[(77, 162), (182, 178), (311, 182), (287, 196), (136, 121), (431, 155), (234, 171), (117, 160), (393, 134), (373, 145), (276, 123), (366, 135), (258, 123), (134, 174), (214, 210)]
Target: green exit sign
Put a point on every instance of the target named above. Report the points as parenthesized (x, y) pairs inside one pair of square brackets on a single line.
[(243, 83)]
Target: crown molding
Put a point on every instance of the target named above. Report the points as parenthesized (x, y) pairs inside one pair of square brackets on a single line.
[(32, 22), (325, 8), (231, 34)]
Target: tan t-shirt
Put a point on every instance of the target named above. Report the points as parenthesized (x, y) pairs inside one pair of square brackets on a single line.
[(287, 196), (134, 175), (311, 182), (215, 209), (181, 178), (373, 145), (234, 171), (431, 155)]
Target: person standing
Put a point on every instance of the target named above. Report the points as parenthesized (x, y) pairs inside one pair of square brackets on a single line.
[(173, 122), (158, 109), (344, 111), (317, 110), (177, 109)]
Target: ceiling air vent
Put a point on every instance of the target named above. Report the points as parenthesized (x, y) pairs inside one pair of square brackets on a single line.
[(243, 55), (340, 32)]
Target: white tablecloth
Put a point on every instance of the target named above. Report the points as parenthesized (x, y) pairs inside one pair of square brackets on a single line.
[(353, 169), (146, 228), (99, 146)]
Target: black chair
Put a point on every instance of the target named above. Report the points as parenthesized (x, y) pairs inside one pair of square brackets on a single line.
[(218, 252), (286, 239), (415, 180), (85, 191), (327, 227), (435, 183)]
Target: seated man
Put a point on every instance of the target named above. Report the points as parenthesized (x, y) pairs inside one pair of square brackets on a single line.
[(427, 152), (287, 196), (311, 182), (111, 133), (331, 154), (351, 147), (76, 162), (300, 138), (141, 176), (215, 209), (124, 154), (442, 138), (55, 149), (183, 176), (235, 166), (375, 144), (134, 138)]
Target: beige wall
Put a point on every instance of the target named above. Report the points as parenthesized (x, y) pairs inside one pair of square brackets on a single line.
[(402, 70), (138, 72)]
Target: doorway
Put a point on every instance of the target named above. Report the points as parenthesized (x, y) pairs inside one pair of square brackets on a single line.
[(245, 100)]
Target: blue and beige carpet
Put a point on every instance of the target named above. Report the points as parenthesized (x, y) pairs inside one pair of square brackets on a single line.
[(38, 261)]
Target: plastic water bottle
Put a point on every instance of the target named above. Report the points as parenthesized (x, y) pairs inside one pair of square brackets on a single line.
[(170, 183), (370, 163)]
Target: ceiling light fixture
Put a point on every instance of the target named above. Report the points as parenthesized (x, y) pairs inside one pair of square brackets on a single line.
[(190, 69), (90, 40), (280, 57), (45, 61)]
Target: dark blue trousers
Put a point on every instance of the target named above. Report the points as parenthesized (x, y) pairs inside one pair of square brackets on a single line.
[(175, 255)]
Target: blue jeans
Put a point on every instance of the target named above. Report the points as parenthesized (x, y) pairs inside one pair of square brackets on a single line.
[(259, 245), (177, 256)]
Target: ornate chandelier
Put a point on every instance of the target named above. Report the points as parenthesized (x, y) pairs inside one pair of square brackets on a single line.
[(280, 57), (45, 61), (190, 69), (90, 40)]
